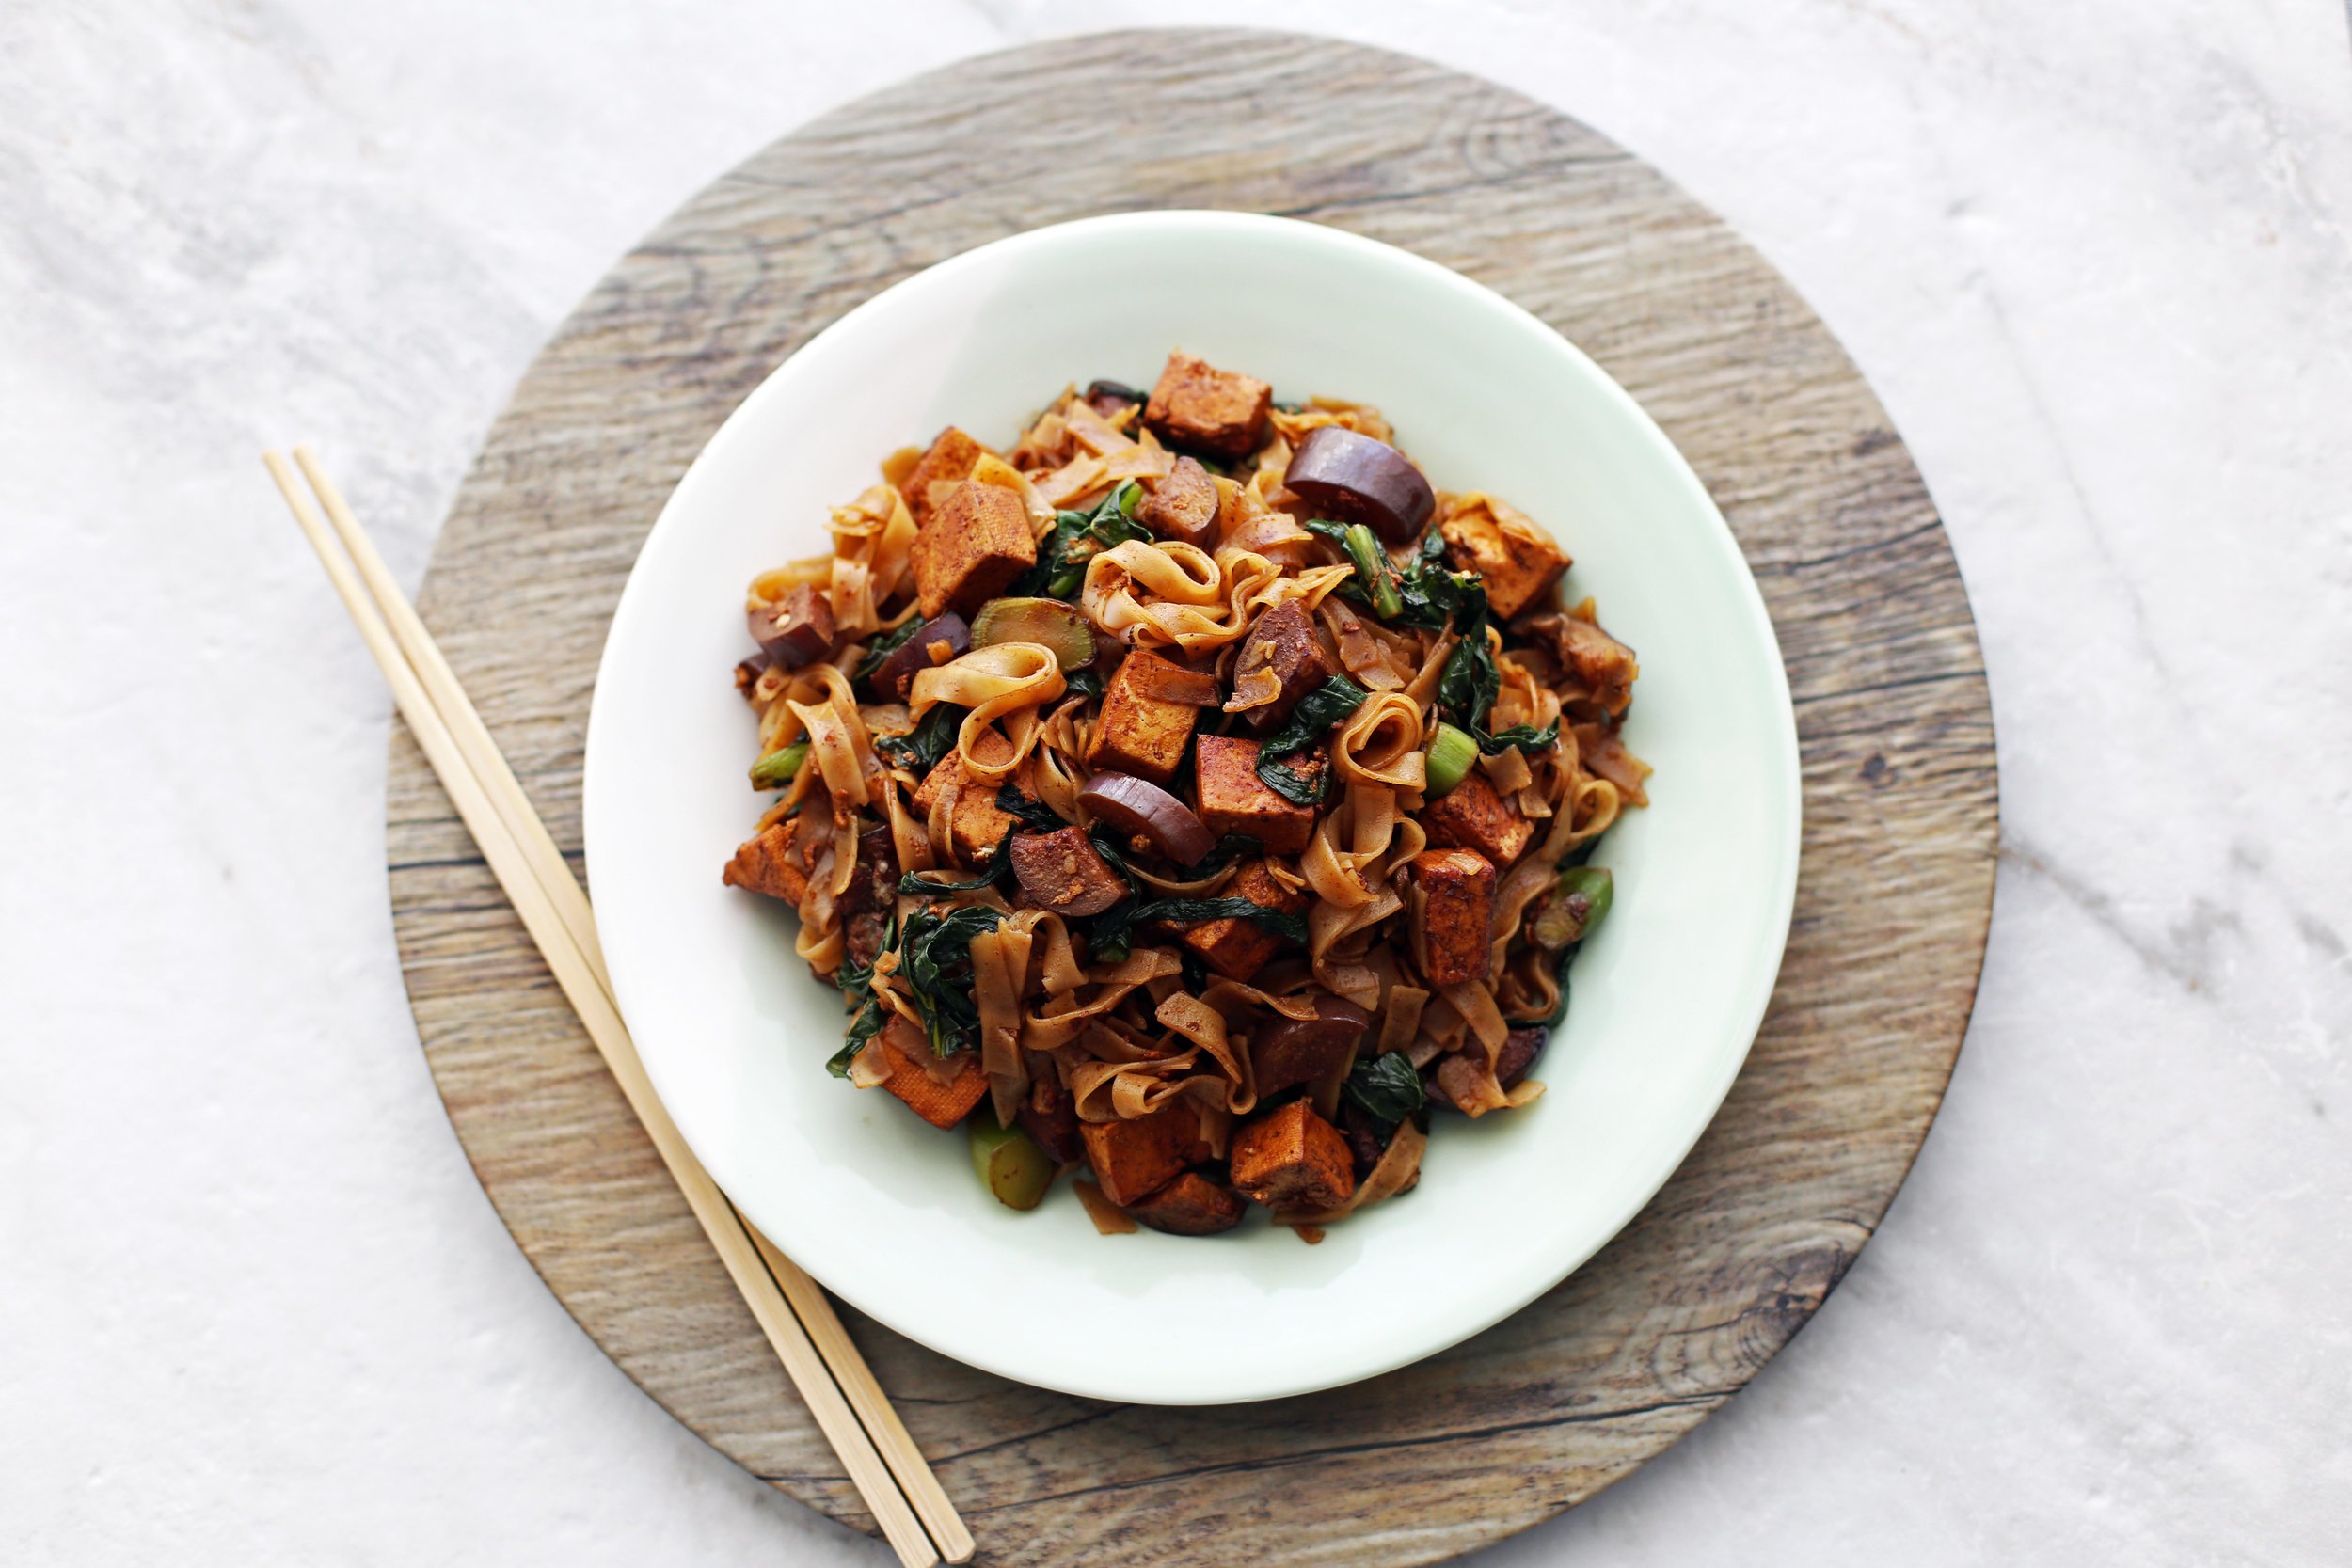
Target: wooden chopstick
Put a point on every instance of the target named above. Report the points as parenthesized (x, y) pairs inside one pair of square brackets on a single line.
[(853, 1413)]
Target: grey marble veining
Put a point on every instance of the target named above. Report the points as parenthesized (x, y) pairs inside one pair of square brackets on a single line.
[(2094, 259)]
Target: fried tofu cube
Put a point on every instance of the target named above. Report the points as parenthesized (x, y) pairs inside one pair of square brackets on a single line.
[(949, 460), (941, 1104), (1198, 407), (1291, 1158), (1140, 733), (1238, 948), (971, 548), (1471, 816), (1452, 914), (1192, 1205), (1282, 640), (1233, 799), (978, 825), (1135, 1159), (1512, 551), (767, 865)]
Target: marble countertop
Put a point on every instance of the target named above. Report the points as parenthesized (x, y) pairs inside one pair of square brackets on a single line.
[(2094, 260)]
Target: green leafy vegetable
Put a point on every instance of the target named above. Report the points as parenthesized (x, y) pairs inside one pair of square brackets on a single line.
[(857, 988), (1086, 683), (932, 739), (1527, 737), (936, 959), (1076, 538), (1034, 814), (1111, 935), (1316, 712), (775, 770), (1228, 849), (1384, 1087)]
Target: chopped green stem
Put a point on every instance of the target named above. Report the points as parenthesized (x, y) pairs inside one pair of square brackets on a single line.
[(775, 770), (1451, 753)]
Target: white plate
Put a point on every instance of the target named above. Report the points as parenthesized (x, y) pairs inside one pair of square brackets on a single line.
[(885, 1210)]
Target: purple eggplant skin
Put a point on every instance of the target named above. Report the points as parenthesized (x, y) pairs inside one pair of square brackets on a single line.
[(912, 657), (1352, 478)]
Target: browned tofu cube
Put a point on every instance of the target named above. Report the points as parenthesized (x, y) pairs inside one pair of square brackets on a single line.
[(1518, 560), (1234, 947), (1292, 1158), (1134, 1159), (1471, 816), (767, 865), (1061, 871), (970, 549), (941, 1104), (1283, 641), (1192, 1205), (1140, 733), (1596, 661), (949, 461), (1233, 799), (1453, 931), (978, 825), (1198, 406)]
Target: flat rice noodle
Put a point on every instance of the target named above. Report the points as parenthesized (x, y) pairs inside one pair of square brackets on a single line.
[(1400, 1018), (1008, 682), (1476, 1004), (1380, 743)]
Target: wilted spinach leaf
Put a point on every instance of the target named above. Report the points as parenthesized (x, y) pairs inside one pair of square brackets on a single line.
[(1316, 712), (1384, 1087), (932, 740)]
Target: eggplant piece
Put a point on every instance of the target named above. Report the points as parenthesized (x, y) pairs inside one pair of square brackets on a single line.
[(1063, 872), (1108, 398), (797, 629), (1185, 507), (1520, 1047), (1049, 623), (1293, 1050), (1352, 478), (910, 658), (1134, 805)]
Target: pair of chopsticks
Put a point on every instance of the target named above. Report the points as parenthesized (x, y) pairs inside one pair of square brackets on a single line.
[(905, 1497)]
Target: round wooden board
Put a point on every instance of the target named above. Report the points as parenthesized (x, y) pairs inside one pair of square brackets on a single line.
[(1772, 1207)]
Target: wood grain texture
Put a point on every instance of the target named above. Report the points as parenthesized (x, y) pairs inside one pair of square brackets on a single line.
[(1778, 1197)]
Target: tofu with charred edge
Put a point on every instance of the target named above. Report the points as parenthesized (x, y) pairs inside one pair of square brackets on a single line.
[(949, 460), (1454, 916), (1510, 550), (977, 825), (941, 1104), (1233, 799), (1192, 1205), (1471, 816), (1134, 1159), (766, 864), (1199, 407), (1291, 1158), (1138, 733), (970, 549), (1235, 947)]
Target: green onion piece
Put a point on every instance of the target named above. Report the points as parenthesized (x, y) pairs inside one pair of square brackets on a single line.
[(1371, 564), (1594, 885), (775, 770), (1451, 753)]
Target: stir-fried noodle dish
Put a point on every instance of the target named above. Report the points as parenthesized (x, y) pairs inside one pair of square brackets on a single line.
[(1187, 796)]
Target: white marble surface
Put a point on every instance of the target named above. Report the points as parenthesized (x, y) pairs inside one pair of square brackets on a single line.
[(253, 1308)]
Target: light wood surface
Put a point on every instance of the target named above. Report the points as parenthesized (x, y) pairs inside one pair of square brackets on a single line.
[(1779, 1196), (554, 913)]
